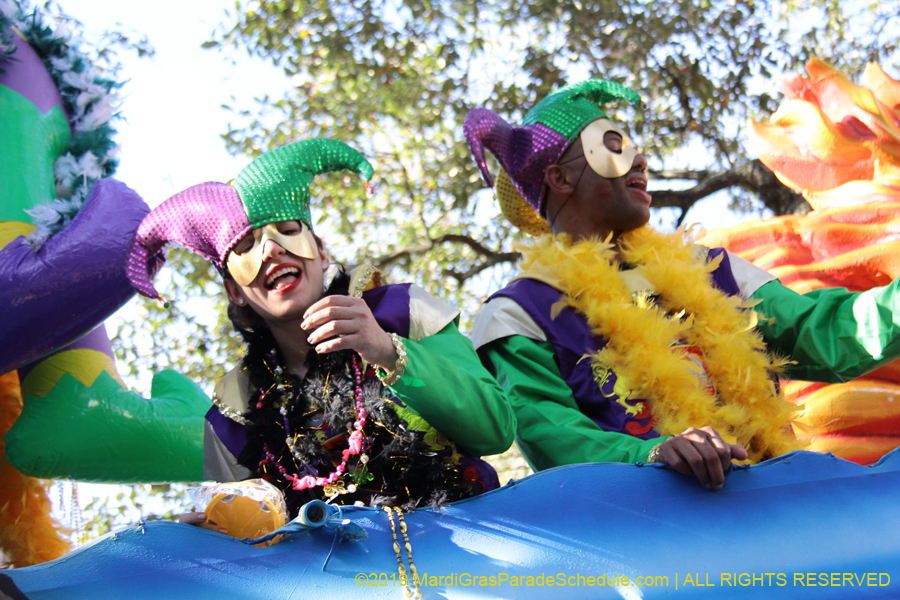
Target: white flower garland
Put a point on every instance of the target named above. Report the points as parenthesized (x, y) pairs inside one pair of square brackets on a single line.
[(90, 100), (7, 47)]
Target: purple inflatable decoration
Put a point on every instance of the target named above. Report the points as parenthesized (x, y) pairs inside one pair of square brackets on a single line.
[(75, 281), (28, 76)]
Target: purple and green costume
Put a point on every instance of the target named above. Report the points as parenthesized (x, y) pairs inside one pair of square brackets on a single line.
[(539, 360), (566, 415), (445, 394)]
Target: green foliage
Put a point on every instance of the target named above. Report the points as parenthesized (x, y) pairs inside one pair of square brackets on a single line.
[(397, 78), (192, 336), (510, 465)]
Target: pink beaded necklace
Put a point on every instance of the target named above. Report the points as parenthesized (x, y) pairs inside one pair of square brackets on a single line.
[(355, 443)]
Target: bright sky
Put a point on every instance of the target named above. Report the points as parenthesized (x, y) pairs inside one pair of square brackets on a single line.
[(171, 104)]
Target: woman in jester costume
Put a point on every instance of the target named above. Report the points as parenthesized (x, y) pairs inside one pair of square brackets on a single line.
[(344, 391)]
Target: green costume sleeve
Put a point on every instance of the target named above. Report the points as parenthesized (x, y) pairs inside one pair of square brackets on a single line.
[(833, 335), (446, 385), (546, 410)]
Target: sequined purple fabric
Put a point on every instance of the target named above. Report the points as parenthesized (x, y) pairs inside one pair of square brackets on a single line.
[(523, 152), (217, 221)]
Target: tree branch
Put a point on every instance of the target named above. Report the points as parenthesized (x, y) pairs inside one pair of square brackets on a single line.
[(461, 277), (492, 256), (683, 174), (752, 176)]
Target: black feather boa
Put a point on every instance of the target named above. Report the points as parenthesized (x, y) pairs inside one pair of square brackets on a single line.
[(402, 469)]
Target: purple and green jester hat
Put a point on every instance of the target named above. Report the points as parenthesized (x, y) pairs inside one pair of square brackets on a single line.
[(211, 218), (525, 152)]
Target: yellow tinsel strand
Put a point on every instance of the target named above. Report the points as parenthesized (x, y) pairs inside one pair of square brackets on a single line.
[(28, 534)]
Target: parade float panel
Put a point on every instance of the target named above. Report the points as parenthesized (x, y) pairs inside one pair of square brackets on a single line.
[(62, 239), (580, 531), (838, 144)]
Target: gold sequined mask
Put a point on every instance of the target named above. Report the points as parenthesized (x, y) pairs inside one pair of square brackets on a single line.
[(601, 159), (245, 266)]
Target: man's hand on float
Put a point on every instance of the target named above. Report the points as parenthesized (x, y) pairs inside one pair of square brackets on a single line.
[(701, 453), (346, 323), (198, 519)]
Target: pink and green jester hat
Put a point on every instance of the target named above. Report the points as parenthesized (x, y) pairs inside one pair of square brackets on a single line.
[(211, 218), (525, 152)]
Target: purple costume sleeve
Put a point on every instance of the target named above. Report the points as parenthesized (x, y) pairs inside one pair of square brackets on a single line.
[(390, 306), (233, 434)]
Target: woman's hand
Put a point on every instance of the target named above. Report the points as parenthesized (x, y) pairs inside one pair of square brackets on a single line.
[(345, 323), (198, 519), (701, 453)]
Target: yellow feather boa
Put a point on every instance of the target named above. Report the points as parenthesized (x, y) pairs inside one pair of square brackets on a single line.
[(645, 339)]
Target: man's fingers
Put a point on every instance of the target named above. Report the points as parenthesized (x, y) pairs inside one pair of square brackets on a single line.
[(727, 452), (711, 473), (723, 452), (700, 453), (722, 448), (738, 452), (703, 461), (681, 456)]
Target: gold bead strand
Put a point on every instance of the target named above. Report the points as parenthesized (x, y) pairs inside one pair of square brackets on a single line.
[(412, 565), (400, 566)]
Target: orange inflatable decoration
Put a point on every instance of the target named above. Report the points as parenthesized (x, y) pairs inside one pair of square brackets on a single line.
[(28, 533), (838, 144)]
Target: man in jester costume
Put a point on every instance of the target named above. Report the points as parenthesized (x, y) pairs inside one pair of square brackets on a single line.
[(618, 343), (362, 392)]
